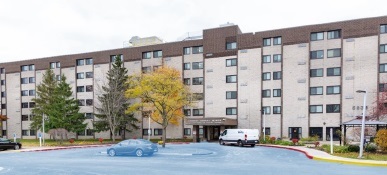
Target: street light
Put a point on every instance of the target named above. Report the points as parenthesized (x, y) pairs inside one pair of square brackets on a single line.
[(362, 123)]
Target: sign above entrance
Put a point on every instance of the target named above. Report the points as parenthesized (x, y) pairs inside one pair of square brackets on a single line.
[(211, 121)]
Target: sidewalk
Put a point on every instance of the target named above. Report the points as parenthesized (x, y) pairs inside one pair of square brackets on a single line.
[(323, 156)]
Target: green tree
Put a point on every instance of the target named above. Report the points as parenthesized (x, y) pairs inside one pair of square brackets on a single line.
[(163, 93), (44, 99), (113, 103)]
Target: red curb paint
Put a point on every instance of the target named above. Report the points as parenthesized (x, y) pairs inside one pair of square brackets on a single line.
[(293, 149)]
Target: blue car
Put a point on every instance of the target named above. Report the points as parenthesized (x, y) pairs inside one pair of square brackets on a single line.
[(138, 147)]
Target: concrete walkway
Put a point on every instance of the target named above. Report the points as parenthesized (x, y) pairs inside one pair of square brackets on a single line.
[(323, 156)]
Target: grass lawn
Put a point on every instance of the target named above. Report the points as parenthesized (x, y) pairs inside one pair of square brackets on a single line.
[(367, 156)]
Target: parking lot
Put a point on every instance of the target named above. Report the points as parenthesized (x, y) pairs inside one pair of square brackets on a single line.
[(197, 158)]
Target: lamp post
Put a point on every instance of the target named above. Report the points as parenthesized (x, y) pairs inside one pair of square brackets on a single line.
[(362, 123)]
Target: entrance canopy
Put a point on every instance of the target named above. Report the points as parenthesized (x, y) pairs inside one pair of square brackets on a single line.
[(220, 121)]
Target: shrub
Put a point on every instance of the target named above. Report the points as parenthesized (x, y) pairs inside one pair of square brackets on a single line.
[(316, 144), (336, 149), (310, 139), (381, 139), (295, 141), (371, 148), (353, 148), (272, 140)]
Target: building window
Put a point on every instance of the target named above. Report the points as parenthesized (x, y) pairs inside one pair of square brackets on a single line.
[(57, 77), (333, 108), (267, 42), (24, 118), (147, 69), (231, 62), (89, 132), (277, 75), (334, 34), (3, 106), (317, 54), (317, 36), (266, 76), (277, 41), (2, 82), (276, 109), (316, 72), (197, 65), (231, 45), (24, 105), (25, 133), (316, 131), (277, 58), (266, 110), (80, 75), (89, 61), (198, 112), (197, 81), (3, 94), (276, 92), (316, 90), (158, 132), (331, 53), (334, 71), (80, 88), (113, 58), (24, 80), (31, 79), (267, 131), (383, 28), (336, 136), (80, 62), (383, 68), (266, 93), (146, 55), (89, 74), (315, 109), (157, 54), (89, 88), (2, 70), (30, 67), (187, 50), (54, 65), (187, 81), (266, 58), (333, 90), (81, 102), (231, 111), (197, 96), (145, 132), (89, 102), (382, 87), (187, 131), (383, 48), (32, 104), (187, 112), (231, 94), (187, 66), (231, 79), (197, 49), (31, 92), (89, 115)]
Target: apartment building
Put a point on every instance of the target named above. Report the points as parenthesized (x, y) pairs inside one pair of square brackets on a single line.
[(293, 82)]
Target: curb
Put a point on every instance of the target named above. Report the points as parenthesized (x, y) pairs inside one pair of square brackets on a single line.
[(62, 148), (318, 158)]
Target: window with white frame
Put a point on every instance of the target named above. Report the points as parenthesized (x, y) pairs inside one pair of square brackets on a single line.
[(266, 58), (334, 34), (266, 110), (383, 68), (317, 54), (187, 66), (267, 42), (317, 36), (276, 109), (383, 28), (197, 49), (197, 65), (89, 61), (231, 94), (80, 62), (333, 90), (231, 45), (157, 54), (187, 50), (80, 75), (197, 112), (276, 92), (383, 48), (316, 90), (334, 71), (146, 55)]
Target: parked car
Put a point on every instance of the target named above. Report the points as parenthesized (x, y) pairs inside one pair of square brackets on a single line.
[(239, 137), (8, 144), (137, 147)]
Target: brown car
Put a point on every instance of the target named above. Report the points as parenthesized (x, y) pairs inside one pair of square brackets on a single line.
[(8, 144)]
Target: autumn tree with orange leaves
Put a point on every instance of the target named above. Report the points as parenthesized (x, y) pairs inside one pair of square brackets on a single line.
[(380, 106), (163, 93)]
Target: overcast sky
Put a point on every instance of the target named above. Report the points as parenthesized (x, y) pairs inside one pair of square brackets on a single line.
[(43, 28)]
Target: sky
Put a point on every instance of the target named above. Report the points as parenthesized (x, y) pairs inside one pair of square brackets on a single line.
[(44, 28)]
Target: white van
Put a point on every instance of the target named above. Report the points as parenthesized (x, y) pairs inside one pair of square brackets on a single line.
[(239, 137)]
